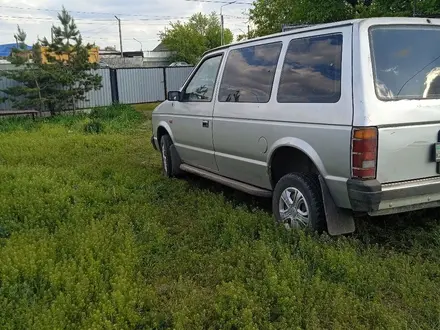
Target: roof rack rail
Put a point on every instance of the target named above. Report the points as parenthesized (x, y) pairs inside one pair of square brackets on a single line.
[(288, 27)]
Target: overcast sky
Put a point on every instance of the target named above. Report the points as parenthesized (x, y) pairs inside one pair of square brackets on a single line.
[(141, 19)]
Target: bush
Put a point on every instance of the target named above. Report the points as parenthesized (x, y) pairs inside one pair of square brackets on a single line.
[(93, 126), (17, 123), (115, 118), (116, 111)]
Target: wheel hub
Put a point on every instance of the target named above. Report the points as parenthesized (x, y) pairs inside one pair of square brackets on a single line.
[(293, 208)]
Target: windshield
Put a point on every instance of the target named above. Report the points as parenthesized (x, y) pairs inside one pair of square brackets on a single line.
[(406, 61)]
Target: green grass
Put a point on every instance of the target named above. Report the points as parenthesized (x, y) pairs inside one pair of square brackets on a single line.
[(93, 237)]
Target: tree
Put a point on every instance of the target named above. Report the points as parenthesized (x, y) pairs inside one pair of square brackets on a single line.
[(190, 40), (59, 74), (20, 38), (269, 16)]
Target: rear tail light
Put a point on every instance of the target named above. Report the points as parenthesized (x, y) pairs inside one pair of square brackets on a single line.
[(364, 153)]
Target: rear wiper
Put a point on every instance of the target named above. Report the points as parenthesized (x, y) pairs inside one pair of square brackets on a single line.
[(415, 74)]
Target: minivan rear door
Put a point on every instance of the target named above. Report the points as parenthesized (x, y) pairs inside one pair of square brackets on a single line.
[(405, 60)]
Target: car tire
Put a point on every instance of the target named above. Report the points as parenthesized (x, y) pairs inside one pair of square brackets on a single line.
[(297, 202), (167, 164)]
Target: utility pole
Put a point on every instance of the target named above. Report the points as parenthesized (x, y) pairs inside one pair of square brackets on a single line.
[(120, 35), (222, 37), (139, 43), (222, 33), (414, 8)]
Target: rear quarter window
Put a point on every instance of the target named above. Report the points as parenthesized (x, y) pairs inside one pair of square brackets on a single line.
[(312, 70)]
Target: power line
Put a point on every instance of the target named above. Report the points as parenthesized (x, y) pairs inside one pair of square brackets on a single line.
[(104, 21), (236, 17), (153, 18), (80, 12), (43, 19), (164, 18), (86, 21), (222, 1), (117, 38)]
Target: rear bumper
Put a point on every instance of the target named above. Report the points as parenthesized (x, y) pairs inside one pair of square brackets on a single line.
[(378, 199)]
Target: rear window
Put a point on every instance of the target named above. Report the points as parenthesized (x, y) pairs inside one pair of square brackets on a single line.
[(406, 61)]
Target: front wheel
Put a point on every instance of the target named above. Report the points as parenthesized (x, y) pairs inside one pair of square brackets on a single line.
[(297, 202), (167, 166)]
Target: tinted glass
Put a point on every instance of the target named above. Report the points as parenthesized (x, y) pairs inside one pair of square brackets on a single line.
[(406, 61), (249, 74), (312, 70), (201, 86)]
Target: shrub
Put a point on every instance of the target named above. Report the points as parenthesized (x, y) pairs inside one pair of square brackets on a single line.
[(93, 126)]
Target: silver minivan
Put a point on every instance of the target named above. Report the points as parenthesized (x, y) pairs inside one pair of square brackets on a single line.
[(327, 120)]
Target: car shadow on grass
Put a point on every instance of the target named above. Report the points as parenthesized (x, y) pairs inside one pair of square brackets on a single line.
[(232, 196), (417, 231), (412, 231)]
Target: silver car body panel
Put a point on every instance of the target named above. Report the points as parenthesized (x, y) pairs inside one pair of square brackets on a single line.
[(407, 128), (244, 136), (247, 134)]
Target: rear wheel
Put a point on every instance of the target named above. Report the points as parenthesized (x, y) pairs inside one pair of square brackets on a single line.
[(297, 202)]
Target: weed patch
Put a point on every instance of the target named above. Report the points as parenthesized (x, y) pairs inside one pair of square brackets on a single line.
[(92, 237)]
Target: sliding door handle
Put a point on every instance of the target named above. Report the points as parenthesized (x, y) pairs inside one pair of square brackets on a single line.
[(205, 123)]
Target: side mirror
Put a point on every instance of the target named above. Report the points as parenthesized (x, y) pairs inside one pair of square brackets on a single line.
[(174, 96)]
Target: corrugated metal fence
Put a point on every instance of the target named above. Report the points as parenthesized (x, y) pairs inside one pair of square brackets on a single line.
[(139, 85), (125, 85), (6, 83), (101, 97), (176, 76)]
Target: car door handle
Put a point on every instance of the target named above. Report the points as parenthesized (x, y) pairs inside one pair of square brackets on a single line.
[(205, 123)]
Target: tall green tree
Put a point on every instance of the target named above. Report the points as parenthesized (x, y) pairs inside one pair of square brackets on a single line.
[(190, 40), (57, 83), (269, 16)]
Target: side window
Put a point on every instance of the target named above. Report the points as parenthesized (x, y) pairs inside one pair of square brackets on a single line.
[(202, 83), (249, 74), (312, 70)]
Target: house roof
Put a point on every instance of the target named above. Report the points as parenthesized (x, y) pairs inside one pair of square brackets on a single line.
[(161, 48), (5, 49)]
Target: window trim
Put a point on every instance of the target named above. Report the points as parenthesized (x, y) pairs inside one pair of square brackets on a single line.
[(373, 61), (281, 42), (338, 33), (190, 78)]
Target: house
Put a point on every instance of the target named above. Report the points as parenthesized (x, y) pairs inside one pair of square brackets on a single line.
[(5, 52), (159, 56), (6, 49), (93, 55), (113, 59)]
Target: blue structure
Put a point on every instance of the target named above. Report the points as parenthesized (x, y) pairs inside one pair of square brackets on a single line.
[(5, 50)]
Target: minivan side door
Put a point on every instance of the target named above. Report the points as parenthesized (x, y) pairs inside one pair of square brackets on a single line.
[(244, 93), (192, 119)]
